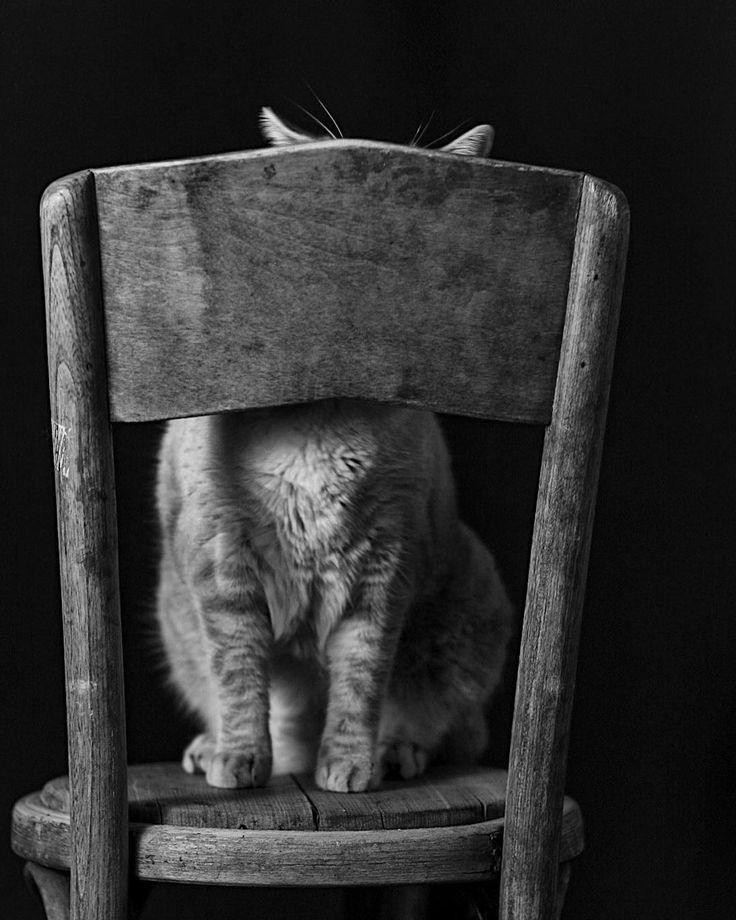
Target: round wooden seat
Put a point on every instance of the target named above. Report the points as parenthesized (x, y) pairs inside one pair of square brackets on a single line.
[(447, 826)]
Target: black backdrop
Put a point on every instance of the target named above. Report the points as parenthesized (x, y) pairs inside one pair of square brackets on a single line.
[(639, 93)]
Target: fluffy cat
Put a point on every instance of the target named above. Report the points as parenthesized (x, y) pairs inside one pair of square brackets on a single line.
[(320, 603)]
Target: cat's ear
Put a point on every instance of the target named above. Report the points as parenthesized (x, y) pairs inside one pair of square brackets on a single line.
[(474, 143), (278, 133)]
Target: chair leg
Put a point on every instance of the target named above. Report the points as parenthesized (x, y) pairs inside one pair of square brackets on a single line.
[(138, 894), (52, 887), (563, 879), (386, 902), (426, 902), (404, 902)]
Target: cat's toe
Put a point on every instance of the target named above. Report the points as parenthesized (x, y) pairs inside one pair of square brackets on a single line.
[(412, 760), (404, 758), (198, 754), (239, 769), (344, 774)]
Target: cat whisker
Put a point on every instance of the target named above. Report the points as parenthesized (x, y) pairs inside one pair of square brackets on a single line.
[(415, 141), (457, 127), (327, 111), (314, 119), (417, 134)]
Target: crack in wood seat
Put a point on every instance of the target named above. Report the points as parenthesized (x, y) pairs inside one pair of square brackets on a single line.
[(447, 826)]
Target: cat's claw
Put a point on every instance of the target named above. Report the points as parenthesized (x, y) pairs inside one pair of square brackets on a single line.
[(239, 769)]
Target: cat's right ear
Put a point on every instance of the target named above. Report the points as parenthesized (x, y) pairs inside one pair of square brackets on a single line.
[(474, 143), (278, 133)]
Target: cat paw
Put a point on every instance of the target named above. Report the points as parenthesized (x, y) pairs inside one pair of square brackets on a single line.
[(402, 758), (198, 754), (239, 769), (344, 773)]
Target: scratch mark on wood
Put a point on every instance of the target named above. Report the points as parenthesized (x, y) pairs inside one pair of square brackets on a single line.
[(60, 440)]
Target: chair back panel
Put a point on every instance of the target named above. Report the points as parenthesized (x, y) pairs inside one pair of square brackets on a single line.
[(351, 268)]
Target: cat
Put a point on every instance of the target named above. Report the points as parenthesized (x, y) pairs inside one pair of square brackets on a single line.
[(321, 606)]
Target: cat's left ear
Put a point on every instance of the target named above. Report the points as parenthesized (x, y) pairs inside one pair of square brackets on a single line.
[(474, 143), (278, 133)]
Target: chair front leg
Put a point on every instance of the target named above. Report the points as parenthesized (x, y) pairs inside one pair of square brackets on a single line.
[(52, 887)]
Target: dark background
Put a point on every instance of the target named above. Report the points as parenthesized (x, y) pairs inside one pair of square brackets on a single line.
[(637, 92)]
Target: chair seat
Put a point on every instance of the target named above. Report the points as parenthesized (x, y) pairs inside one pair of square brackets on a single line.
[(446, 826)]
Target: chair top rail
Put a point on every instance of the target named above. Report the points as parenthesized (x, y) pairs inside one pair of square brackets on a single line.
[(352, 268)]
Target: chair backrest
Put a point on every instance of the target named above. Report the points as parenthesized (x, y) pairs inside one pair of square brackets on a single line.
[(348, 269)]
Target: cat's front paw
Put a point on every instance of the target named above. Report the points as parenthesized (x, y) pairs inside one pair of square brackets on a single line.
[(344, 771), (239, 769)]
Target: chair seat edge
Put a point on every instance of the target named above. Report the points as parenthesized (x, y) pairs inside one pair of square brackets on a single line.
[(218, 856)]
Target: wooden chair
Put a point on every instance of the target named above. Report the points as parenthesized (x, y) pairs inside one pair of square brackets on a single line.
[(353, 269)]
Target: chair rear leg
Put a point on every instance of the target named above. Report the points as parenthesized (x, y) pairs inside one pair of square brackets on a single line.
[(138, 894), (404, 902), (387, 902), (563, 879), (52, 887)]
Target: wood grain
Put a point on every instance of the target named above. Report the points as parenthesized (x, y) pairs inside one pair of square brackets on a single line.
[(558, 567), (87, 531), (224, 856), (348, 268), (447, 796), (162, 793)]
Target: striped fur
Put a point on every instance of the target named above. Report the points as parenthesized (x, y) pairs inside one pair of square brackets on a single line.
[(320, 603)]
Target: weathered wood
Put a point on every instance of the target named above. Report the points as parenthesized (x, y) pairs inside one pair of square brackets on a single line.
[(347, 269), (285, 858), (52, 887), (558, 567), (162, 793), (352, 269), (226, 856), (87, 548), (447, 796)]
